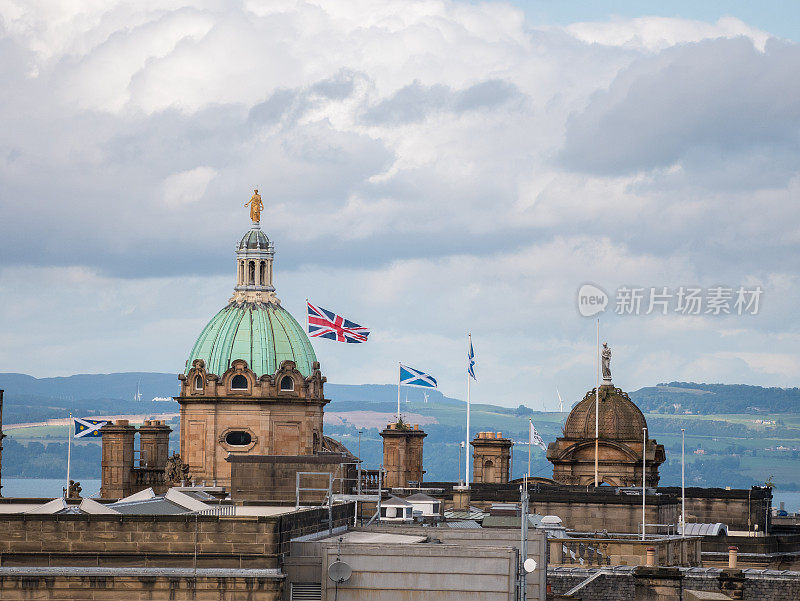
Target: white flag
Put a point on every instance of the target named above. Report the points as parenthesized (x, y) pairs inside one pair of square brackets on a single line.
[(536, 439)]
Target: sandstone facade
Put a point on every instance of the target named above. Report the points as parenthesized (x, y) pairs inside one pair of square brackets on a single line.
[(278, 414)]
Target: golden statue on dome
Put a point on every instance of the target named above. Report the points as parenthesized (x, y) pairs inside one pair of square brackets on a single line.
[(256, 206)]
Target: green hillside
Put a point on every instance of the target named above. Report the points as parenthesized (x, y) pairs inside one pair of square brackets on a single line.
[(727, 444), (692, 398)]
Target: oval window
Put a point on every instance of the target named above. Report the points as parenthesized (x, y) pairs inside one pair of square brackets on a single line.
[(239, 382), (238, 438)]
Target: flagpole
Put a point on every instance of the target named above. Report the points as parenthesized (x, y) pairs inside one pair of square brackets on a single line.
[(398, 392), (69, 450), (466, 444), (597, 414), (530, 443)]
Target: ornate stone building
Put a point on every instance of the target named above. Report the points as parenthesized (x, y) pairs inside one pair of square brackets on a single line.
[(491, 458), (620, 442), (252, 384)]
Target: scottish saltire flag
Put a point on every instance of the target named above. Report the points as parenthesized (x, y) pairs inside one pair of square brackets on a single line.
[(88, 428), (414, 377), (327, 324), (471, 361), (536, 439)]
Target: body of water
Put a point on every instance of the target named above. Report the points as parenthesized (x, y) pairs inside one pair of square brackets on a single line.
[(45, 487), (790, 498)]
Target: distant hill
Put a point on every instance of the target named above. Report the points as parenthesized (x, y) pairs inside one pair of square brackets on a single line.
[(690, 397), (720, 452), (30, 399)]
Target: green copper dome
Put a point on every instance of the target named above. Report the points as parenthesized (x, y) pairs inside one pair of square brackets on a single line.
[(263, 334)]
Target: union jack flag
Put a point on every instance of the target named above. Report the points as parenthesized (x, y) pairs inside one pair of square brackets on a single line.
[(326, 324)]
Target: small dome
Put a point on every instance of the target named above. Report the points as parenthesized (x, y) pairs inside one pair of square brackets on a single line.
[(620, 418), (263, 334), (254, 239)]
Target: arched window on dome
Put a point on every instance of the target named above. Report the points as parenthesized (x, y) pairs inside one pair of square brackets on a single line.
[(251, 280), (238, 382), (198, 382), (287, 384), (262, 273)]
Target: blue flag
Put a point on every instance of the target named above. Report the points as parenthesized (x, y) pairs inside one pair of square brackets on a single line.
[(471, 361), (88, 428), (414, 377)]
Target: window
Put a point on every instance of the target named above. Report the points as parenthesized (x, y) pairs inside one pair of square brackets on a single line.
[(198, 383), (287, 383), (251, 280), (262, 273), (239, 382), (238, 438)]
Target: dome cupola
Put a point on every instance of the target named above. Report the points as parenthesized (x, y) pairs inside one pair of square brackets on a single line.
[(620, 418), (605, 440), (253, 326)]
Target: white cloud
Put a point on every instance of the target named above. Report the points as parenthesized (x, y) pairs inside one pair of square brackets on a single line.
[(187, 187), (427, 167), (658, 33)]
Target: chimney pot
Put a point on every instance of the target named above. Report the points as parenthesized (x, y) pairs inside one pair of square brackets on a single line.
[(651, 556), (732, 552)]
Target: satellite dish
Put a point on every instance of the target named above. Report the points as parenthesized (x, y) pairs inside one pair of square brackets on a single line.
[(529, 565), (339, 572)]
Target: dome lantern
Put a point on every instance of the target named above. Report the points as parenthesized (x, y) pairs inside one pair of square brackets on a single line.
[(254, 256)]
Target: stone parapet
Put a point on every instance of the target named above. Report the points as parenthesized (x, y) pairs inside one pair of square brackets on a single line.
[(135, 584)]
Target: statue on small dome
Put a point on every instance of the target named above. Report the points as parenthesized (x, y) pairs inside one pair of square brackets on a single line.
[(606, 363), (256, 206)]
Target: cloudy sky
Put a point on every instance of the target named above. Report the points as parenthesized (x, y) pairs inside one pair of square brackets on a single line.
[(429, 168)]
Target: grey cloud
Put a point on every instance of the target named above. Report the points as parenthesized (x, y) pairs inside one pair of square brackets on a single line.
[(700, 105), (293, 104), (338, 87), (485, 94), (415, 101), (273, 108)]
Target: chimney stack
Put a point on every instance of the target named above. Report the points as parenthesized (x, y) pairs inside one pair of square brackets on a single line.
[(402, 455)]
